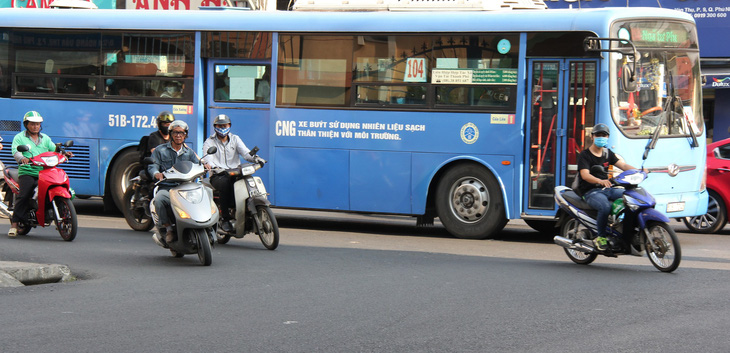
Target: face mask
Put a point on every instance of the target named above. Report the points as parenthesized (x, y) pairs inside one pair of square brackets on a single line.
[(164, 130), (222, 132), (601, 141)]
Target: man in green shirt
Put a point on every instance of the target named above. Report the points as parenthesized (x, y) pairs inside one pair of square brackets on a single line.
[(28, 173)]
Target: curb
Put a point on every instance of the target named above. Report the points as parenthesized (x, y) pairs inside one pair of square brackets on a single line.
[(18, 274)]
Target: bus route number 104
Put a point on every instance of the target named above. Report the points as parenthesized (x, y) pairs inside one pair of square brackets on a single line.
[(415, 70), (140, 121)]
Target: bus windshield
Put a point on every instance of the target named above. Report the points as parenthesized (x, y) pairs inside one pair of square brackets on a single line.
[(666, 69)]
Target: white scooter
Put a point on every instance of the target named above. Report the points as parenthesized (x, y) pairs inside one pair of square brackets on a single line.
[(253, 212), (193, 211)]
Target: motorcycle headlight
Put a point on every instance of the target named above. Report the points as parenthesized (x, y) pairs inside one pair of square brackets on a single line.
[(50, 161), (192, 196), (248, 170)]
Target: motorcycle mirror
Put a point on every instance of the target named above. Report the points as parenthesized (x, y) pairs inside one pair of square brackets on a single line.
[(23, 148), (68, 143), (254, 151), (212, 150)]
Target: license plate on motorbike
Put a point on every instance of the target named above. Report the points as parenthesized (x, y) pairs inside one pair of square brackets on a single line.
[(675, 206)]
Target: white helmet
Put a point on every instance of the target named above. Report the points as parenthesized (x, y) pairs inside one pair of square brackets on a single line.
[(179, 123), (32, 116)]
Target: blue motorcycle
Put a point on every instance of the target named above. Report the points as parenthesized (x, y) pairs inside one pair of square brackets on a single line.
[(634, 226)]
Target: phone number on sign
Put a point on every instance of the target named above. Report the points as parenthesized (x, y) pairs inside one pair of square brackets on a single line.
[(141, 121)]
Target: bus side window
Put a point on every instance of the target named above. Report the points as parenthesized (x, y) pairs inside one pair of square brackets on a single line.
[(4, 73)]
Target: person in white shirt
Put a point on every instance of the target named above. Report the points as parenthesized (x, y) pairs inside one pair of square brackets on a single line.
[(230, 150)]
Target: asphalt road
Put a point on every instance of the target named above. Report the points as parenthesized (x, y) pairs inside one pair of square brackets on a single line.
[(359, 283)]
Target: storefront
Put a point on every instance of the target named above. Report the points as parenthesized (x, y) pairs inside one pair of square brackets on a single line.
[(713, 24)]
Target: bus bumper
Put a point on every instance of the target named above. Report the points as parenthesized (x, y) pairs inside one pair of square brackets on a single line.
[(679, 205)]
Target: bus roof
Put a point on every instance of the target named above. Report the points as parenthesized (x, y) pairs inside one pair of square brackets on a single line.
[(596, 20)]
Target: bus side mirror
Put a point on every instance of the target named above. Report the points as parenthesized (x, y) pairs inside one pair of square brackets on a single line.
[(628, 79)]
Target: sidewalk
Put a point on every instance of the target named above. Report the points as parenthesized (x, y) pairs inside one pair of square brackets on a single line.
[(18, 274)]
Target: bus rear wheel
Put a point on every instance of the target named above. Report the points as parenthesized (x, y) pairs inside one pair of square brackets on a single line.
[(125, 168), (469, 202)]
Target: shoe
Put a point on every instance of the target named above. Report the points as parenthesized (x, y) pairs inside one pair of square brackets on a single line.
[(169, 237), (601, 243), (13, 232), (226, 226)]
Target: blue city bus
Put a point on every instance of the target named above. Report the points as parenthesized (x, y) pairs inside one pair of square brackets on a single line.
[(471, 117)]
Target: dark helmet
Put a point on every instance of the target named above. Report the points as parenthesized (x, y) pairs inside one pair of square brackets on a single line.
[(165, 117), (221, 119), (600, 128)]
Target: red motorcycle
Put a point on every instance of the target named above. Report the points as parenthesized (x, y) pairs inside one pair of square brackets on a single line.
[(52, 198)]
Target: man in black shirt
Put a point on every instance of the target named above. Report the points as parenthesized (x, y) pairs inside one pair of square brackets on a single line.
[(148, 143), (594, 185)]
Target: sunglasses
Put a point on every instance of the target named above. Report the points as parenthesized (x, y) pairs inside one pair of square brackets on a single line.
[(177, 133), (601, 134)]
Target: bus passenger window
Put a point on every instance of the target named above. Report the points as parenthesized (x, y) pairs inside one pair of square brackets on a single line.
[(263, 87), (391, 95), (171, 89), (4, 73), (242, 83)]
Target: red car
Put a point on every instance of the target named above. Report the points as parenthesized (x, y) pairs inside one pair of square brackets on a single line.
[(718, 186)]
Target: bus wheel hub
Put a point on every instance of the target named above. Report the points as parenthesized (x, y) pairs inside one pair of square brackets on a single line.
[(469, 200)]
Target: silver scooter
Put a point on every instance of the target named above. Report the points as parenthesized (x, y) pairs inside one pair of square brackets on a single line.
[(194, 213), (253, 212)]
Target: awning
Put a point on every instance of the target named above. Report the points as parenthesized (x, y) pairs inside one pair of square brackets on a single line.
[(716, 77)]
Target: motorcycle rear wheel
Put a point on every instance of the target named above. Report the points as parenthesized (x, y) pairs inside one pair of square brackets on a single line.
[(269, 234), (204, 254), (68, 226), (572, 230), (662, 246), (136, 218)]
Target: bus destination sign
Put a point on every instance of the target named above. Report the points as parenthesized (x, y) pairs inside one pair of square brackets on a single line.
[(475, 76)]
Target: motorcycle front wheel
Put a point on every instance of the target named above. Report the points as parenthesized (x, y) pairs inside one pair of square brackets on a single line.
[(136, 217), (662, 246), (269, 231), (68, 225), (204, 254), (572, 230)]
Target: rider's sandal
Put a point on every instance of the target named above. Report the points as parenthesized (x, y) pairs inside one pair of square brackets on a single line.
[(13, 232)]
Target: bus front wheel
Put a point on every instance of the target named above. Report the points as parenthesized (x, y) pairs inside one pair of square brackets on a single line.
[(125, 168), (469, 202)]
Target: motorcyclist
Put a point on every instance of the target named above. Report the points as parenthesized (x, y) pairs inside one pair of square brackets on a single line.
[(230, 150), (595, 186), (164, 157), (148, 143), (38, 143)]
